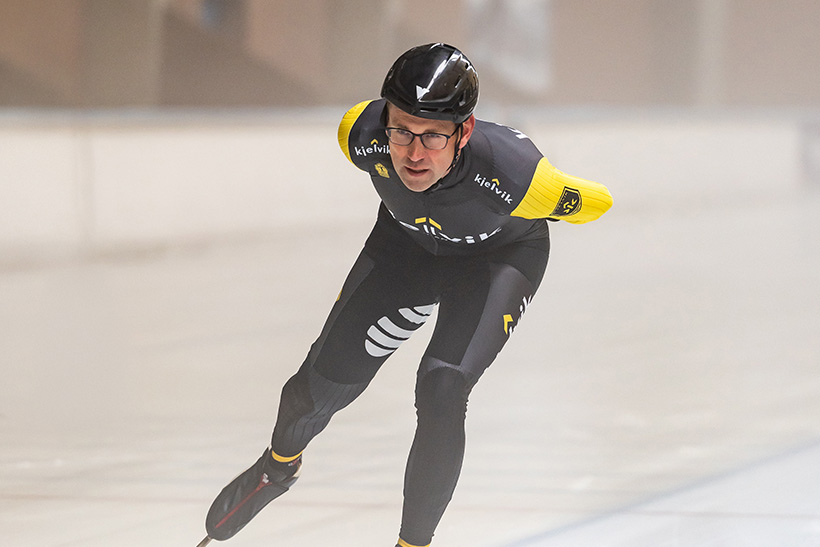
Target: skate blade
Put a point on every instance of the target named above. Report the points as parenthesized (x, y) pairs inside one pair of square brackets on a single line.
[(204, 542)]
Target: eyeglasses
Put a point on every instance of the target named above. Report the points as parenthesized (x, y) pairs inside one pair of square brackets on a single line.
[(431, 141)]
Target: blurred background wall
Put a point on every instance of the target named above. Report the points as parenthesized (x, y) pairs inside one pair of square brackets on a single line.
[(224, 53), (133, 123)]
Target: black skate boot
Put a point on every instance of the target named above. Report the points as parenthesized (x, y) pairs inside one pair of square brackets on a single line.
[(248, 493)]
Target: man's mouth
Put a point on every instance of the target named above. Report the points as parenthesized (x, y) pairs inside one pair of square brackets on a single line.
[(415, 172)]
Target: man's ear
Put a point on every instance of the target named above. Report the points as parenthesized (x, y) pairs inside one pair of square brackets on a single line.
[(466, 131)]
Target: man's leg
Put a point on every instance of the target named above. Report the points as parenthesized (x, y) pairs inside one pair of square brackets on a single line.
[(376, 312), (383, 301), (475, 319)]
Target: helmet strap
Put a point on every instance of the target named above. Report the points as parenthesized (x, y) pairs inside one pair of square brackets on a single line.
[(457, 152), (456, 156)]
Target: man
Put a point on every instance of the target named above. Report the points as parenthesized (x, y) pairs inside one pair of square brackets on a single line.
[(461, 226)]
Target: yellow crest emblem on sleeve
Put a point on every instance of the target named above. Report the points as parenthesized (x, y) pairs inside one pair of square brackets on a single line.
[(382, 171)]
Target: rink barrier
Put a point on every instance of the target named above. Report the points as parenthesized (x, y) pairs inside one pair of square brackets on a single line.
[(81, 184)]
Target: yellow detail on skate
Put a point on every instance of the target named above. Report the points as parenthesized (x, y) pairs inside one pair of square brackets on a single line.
[(283, 459), (403, 543), (347, 124), (553, 193)]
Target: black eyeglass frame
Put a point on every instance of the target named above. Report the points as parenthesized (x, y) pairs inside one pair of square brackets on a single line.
[(421, 136)]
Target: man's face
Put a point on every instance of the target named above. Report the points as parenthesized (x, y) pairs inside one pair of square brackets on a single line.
[(418, 167)]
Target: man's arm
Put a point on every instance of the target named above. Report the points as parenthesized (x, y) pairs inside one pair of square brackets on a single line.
[(346, 126), (555, 195)]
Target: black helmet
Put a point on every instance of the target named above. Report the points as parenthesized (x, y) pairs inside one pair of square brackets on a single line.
[(434, 81)]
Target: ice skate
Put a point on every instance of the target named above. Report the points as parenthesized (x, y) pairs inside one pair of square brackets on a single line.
[(248, 493)]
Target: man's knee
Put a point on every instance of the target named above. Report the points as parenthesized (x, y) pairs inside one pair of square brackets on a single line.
[(441, 393), (308, 393), (296, 397)]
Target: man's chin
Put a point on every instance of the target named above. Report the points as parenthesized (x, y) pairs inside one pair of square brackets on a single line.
[(417, 181)]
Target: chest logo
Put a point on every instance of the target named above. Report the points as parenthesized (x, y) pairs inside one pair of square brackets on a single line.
[(433, 229), (425, 220)]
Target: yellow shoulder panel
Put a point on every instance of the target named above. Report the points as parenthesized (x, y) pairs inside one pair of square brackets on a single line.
[(553, 193), (347, 124)]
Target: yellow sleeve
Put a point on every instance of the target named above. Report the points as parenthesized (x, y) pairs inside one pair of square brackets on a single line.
[(347, 124), (554, 194)]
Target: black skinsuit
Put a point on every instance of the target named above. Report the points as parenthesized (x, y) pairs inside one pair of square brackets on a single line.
[(475, 244)]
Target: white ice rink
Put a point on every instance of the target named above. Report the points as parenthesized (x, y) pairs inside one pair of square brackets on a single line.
[(662, 390)]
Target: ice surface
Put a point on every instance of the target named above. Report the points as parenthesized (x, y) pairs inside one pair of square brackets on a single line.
[(662, 389)]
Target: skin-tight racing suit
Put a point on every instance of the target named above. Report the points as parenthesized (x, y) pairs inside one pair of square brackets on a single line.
[(475, 245)]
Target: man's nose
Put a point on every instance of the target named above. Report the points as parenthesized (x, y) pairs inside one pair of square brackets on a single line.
[(416, 150)]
